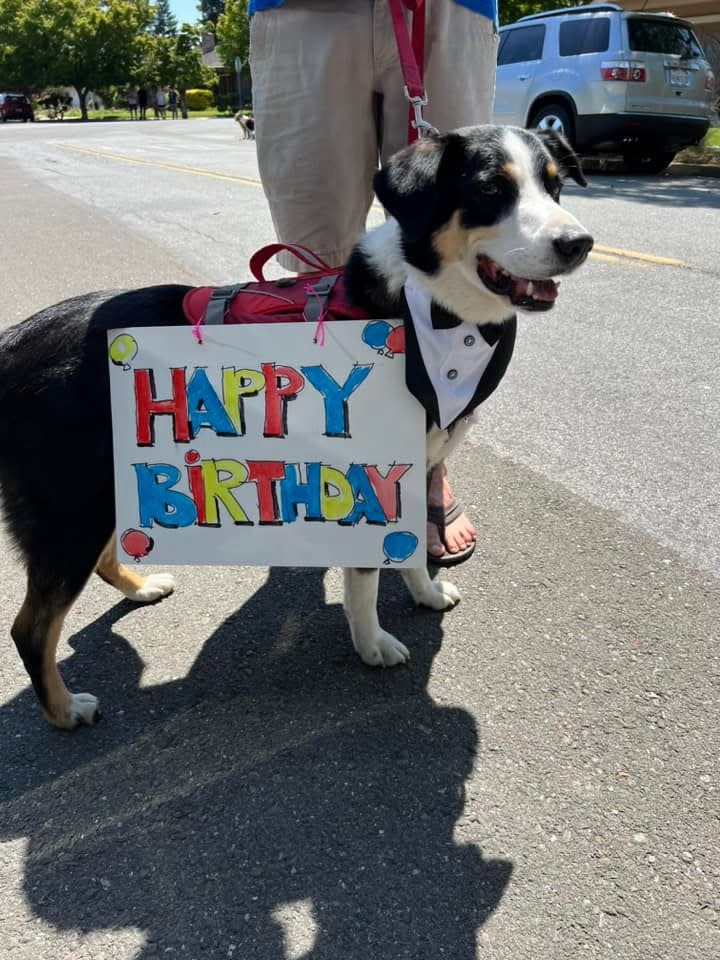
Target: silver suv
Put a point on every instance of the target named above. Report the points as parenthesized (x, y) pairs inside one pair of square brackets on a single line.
[(612, 81)]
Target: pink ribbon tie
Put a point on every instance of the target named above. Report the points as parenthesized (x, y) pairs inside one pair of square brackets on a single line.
[(319, 334)]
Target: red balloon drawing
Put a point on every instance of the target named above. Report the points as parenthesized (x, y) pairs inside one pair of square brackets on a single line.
[(136, 544), (396, 340)]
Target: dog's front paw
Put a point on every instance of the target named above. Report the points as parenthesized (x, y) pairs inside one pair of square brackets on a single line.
[(382, 650), (439, 595), (155, 586), (79, 708)]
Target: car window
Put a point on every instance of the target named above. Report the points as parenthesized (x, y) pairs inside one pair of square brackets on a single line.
[(501, 44), (525, 43), (662, 36), (14, 98), (584, 35)]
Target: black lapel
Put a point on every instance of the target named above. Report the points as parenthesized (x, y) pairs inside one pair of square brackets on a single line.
[(504, 338), (416, 377)]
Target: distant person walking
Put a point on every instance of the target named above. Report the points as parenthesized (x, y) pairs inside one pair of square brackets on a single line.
[(160, 103), (132, 102), (173, 102), (142, 99)]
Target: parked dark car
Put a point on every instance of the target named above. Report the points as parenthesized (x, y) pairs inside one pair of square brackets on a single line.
[(15, 106)]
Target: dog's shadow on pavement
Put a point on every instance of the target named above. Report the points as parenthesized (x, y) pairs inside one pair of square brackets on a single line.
[(282, 800)]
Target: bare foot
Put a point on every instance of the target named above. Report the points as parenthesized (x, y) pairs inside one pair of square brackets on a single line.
[(460, 533)]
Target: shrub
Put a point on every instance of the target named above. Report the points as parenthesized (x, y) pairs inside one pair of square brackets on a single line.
[(226, 103), (198, 99)]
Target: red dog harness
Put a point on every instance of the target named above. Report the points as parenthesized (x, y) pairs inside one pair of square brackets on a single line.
[(310, 297)]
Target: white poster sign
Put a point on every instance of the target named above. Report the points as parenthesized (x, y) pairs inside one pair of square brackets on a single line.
[(259, 446)]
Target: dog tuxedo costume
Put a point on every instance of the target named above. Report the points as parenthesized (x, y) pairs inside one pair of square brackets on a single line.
[(451, 366)]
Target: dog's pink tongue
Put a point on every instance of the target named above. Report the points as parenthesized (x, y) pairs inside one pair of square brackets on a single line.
[(537, 289)]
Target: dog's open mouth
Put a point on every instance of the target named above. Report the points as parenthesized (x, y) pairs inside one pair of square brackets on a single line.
[(523, 293)]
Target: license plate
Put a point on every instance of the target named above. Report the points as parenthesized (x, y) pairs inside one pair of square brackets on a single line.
[(679, 78)]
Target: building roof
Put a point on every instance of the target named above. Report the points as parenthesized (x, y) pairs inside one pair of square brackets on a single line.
[(705, 13)]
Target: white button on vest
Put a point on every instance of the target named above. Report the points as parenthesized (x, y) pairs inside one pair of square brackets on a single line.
[(453, 370)]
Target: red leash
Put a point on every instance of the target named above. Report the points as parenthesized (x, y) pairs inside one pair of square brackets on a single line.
[(412, 62)]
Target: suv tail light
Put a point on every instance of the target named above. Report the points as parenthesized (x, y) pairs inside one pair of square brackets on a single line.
[(625, 70), (709, 81)]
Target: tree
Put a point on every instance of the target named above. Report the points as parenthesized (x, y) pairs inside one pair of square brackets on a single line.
[(85, 44), (164, 22), (232, 32), (188, 70), (175, 60), (210, 10), (512, 10)]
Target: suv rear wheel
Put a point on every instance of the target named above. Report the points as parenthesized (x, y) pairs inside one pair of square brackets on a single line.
[(554, 116), (648, 160)]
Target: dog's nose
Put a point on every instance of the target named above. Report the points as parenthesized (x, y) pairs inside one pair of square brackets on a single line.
[(572, 247)]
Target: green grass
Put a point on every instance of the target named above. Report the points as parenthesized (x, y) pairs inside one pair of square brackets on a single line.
[(123, 114), (712, 138)]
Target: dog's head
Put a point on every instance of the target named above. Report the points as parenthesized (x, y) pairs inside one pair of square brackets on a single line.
[(483, 203)]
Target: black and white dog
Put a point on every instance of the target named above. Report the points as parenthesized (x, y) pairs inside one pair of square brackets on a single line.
[(476, 232), (246, 124)]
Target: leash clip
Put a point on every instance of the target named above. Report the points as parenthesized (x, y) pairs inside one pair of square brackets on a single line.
[(422, 126)]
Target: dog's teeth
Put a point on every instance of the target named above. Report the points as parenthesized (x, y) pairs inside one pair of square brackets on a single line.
[(530, 289)]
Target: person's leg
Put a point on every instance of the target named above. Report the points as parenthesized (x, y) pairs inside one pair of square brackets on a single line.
[(460, 58), (314, 123)]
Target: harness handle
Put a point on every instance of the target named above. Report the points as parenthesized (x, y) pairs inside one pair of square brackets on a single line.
[(260, 258)]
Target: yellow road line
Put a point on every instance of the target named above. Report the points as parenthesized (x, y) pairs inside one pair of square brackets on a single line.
[(636, 255), (177, 168), (600, 253), (611, 258)]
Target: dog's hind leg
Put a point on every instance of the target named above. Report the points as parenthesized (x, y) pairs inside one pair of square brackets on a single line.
[(36, 632), (130, 584), (376, 646), (436, 594)]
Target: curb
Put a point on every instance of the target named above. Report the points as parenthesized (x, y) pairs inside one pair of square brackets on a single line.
[(693, 170), (615, 165)]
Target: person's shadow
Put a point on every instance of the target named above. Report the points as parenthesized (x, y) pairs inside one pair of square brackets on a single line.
[(280, 801)]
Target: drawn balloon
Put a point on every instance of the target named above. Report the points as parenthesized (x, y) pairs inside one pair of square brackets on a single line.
[(396, 340), (376, 333), (123, 350), (136, 544), (399, 546)]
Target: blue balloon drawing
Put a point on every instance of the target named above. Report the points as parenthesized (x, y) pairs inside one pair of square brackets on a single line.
[(376, 333), (399, 546)]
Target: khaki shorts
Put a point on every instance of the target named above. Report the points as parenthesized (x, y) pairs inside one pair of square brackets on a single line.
[(329, 106)]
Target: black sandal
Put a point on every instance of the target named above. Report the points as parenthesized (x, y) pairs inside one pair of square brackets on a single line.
[(442, 517)]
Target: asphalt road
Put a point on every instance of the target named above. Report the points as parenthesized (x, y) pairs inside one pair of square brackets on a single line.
[(541, 782)]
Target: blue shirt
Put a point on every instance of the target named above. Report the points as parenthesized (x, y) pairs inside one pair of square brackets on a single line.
[(488, 8)]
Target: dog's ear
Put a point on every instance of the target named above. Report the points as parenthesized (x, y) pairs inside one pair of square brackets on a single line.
[(407, 186), (563, 154)]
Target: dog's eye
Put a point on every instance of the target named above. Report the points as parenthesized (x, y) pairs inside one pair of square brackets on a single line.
[(554, 188), (496, 185)]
